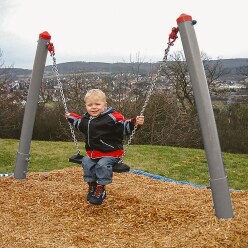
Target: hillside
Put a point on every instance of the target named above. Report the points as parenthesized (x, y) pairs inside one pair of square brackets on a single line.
[(80, 66), (144, 68)]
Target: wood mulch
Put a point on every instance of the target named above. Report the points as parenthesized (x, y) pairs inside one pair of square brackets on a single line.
[(50, 210)]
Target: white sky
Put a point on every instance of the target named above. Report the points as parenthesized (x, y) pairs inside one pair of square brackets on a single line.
[(115, 30)]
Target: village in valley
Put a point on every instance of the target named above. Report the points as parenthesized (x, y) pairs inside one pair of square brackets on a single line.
[(227, 89)]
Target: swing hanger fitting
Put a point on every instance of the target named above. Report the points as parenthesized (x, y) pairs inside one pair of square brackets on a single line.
[(50, 48), (173, 36)]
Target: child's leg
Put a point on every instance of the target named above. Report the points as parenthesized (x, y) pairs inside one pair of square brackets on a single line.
[(89, 169), (88, 165), (104, 175), (104, 170)]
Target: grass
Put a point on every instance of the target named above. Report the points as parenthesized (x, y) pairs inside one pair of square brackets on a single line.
[(176, 163)]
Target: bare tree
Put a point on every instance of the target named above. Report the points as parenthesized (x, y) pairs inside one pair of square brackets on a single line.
[(6, 74), (11, 111), (214, 70), (243, 70), (178, 76), (167, 124)]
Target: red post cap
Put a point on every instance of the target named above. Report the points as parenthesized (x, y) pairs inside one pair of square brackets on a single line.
[(183, 18), (45, 35)]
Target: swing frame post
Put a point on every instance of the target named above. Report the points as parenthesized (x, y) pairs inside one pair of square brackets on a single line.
[(23, 153), (218, 179)]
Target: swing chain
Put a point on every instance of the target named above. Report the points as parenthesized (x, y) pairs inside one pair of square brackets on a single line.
[(153, 83), (55, 70)]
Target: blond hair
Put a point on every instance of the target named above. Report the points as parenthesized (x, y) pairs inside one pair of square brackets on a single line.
[(95, 93)]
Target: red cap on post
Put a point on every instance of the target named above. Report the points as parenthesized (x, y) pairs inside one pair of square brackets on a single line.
[(45, 35), (183, 18)]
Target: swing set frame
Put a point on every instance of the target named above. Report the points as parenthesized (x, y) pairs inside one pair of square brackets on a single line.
[(218, 179)]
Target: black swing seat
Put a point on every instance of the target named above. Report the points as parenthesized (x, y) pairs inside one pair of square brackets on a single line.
[(117, 167), (120, 167), (76, 158)]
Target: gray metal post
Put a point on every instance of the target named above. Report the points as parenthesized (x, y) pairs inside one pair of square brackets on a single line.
[(218, 179), (22, 158)]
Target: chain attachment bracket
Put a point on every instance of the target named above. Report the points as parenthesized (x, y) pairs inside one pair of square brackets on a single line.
[(50, 48), (173, 36)]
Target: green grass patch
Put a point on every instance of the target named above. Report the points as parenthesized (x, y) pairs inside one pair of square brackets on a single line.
[(176, 163)]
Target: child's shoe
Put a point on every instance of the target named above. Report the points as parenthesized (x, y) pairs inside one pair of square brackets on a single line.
[(98, 196), (92, 188)]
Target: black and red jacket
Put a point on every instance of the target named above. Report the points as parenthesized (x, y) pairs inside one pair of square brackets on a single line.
[(104, 133)]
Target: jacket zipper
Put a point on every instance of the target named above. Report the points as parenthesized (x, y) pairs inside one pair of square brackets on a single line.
[(106, 143), (91, 118)]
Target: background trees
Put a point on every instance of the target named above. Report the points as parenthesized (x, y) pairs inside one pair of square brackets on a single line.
[(170, 117), (10, 112)]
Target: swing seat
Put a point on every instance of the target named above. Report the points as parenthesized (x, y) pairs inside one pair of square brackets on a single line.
[(117, 167), (76, 158), (120, 167)]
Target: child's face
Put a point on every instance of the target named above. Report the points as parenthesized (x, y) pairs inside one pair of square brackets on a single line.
[(95, 106)]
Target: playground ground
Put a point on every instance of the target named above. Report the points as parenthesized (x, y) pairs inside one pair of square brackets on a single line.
[(50, 210)]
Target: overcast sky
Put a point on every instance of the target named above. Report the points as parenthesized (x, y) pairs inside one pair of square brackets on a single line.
[(115, 30)]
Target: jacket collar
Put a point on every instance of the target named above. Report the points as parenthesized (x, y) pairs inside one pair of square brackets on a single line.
[(106, 111)]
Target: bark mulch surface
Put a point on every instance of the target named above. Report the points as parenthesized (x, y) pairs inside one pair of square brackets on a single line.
[(50, 210)]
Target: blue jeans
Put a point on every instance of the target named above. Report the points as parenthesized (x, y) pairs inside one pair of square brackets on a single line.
[(99, 169)]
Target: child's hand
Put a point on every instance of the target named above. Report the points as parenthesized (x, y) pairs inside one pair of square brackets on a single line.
[(140, 120), (67, 115)]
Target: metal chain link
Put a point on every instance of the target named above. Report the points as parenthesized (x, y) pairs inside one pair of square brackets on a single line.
[(55, 70), (153, 84)]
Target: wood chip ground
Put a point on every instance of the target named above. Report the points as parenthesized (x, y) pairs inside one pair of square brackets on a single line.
[(50, 210)]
